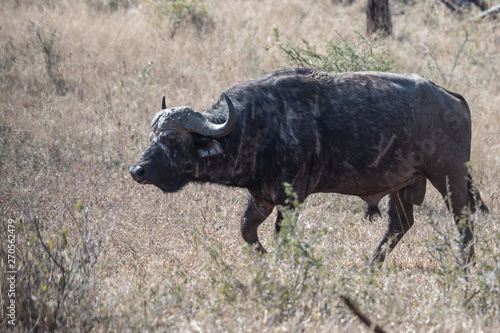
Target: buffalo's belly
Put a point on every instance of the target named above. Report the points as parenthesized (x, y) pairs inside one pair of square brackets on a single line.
[(366, 184)]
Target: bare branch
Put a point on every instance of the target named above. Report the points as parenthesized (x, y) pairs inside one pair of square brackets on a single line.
[(455, 61), (34, 221), (360, 315), (436, 62)]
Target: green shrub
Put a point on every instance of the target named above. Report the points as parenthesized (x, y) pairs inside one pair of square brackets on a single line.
[(340, 56), (283, 282), (179, 11), (104, 5)]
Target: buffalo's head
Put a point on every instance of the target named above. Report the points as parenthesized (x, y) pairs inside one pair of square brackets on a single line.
[(179, 138)]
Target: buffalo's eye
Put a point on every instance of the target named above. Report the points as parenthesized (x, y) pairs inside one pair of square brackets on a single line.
[(169, 138)]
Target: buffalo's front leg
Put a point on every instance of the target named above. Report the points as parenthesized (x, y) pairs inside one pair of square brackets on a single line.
[(255, 212)]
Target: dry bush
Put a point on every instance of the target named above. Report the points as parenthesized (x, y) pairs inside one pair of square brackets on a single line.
[(53, 272), (177, 261)]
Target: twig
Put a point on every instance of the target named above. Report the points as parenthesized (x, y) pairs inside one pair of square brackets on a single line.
[(47, 250), (360, 315), (433, 56), (460, 49), (471, 297), (449, 245), (448, 77)]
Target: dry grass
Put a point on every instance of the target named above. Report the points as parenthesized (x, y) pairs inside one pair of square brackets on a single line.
[(79, 86)]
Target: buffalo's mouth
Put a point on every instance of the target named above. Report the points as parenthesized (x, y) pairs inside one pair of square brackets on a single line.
[(169, 187), (140, 175)]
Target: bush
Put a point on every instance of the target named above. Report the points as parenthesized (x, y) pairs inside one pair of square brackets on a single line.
[(339, 57), (52, 277), (104, 5), (180, 11), (284, 283)]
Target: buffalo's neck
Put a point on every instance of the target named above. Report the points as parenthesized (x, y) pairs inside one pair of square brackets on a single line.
[(262, 170), (220, 170)]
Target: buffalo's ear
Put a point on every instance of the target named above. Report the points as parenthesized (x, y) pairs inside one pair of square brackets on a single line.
[(208, 147)]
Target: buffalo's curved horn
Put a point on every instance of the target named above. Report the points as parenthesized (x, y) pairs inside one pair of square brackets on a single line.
[(163, 104), (203, 126)]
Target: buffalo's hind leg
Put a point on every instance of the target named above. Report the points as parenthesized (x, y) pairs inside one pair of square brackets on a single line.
[(455, 190), (255, 212), (400, 216)]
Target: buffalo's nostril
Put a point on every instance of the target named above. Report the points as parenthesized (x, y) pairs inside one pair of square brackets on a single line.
[(141, 172), (137, 173)]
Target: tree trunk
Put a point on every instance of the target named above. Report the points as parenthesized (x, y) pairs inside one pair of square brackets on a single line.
[(482, 4), (465, 4), (378, 17)]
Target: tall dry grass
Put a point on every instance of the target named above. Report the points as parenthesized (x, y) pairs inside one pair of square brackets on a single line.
[(80, 81)]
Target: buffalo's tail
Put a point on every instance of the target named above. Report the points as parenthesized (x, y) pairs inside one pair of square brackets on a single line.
[(475, 198)]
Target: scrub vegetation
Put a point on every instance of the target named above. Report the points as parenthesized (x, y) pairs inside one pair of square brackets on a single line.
[(79, 84)]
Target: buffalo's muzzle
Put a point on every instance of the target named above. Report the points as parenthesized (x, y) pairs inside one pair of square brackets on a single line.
[(137, 172)]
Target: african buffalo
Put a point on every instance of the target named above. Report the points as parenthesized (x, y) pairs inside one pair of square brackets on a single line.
[(367, 134)]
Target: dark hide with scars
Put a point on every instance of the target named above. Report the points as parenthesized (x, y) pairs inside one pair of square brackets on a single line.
[(366, 134)]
